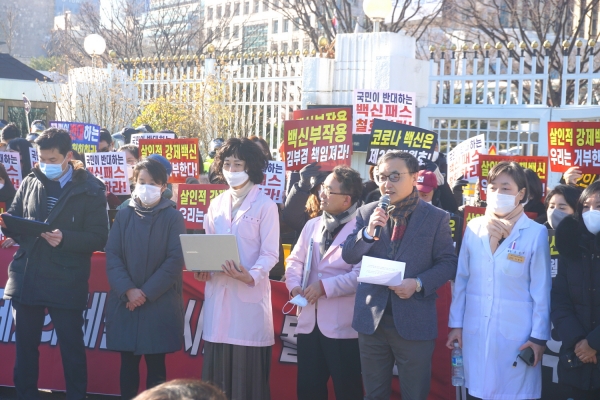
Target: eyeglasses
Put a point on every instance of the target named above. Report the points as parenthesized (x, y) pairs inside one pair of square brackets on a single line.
[(395, 177), (326, 190)]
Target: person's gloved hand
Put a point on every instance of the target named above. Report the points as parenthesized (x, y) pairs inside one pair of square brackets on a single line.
[(459, 185), (306, 173)]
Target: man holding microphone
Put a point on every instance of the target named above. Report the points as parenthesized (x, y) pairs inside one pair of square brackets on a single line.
[(399, 324)]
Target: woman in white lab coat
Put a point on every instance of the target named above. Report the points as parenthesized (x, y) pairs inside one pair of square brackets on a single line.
[(501, 299)]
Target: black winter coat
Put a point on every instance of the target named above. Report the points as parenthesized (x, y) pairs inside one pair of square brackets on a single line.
[(144, 252), (575, 299), (57, 276)]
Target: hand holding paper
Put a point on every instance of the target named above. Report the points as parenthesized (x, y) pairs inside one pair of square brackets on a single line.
[(381, 272)]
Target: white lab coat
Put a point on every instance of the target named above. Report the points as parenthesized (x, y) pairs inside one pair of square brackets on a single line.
[(500, 304)]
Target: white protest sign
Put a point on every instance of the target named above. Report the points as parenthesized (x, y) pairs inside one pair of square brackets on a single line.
[(137, 136), (464, 159), (273, 184), (111, 168), (12, 164), (390, 105)]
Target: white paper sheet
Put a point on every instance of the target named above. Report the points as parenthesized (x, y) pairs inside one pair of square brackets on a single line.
[(381, 272)]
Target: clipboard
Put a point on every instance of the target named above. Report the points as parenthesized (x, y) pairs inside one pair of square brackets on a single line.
[(307, 264), (24, 226)]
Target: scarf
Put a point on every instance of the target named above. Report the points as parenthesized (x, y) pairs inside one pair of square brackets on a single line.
[(238, 196), (500, 228), (399, 213), (333, 222)]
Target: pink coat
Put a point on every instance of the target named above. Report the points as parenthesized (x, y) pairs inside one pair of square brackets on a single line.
[(334, 312), (236, 313)]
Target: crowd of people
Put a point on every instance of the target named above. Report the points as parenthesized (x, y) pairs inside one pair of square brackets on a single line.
[(504, 299)]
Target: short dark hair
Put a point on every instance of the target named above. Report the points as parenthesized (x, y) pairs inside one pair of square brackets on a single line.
[(133, 149), (535, 186), (156, 170), (350, 181), (243, 149), (7, 181), (183, 389), (411, 162), (570, 194), (588, 192), (515, 171), (263, 144), (10, 132), (54, 138), (105, 136)]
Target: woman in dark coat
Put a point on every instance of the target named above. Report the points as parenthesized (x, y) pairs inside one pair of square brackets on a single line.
[(575, 307), (144, 264)]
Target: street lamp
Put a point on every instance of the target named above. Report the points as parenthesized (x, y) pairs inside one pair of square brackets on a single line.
[(94, 45), (377, 11)]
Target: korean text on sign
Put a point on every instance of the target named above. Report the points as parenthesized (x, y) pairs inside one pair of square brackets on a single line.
[(324, 114), (112, 169), (12, 164), (33, 156), (464, 158), (273, 184), (389, 105), (574, 144), (135, 138), (181, 153), (193, 202), (327, 142), (388, 136), (486, 163), (2, 211), (85, 137)]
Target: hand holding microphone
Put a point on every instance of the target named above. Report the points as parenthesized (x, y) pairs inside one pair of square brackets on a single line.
[(379, 217)]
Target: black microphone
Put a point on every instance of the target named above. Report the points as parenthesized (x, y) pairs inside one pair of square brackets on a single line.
[(384, 202)]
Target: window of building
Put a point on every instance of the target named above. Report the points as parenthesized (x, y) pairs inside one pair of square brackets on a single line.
[(227, 10), (236, 9), (306, 45), (286, 25), (294, 45), (219, 11), (265, 5), (209, 14), (273, 46), (275, 4), (236, 32), (247, 7), (226, 33), (285, 47), (209, 34), (254, 37), (297, 24), (275, 26), (256, 6)]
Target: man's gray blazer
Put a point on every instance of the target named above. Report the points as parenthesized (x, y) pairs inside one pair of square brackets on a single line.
[(429, 254)]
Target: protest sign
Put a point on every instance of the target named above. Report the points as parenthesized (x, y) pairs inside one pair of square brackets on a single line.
[(487, 162), (135, 138), (387, 136), (12, 164), (574, 144), (463, 159), (3, 209), (181, 153), (327, 142), (85, 137), (324, 114), (456, 229), (33, 156), (273, 184), (193, 202), (474, 212), (553, 252), (112, 169), (390, 105)]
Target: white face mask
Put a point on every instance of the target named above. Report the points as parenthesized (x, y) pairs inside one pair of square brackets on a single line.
[(1, 186), (148, 194), (591, 219), (235, 179), (555, 216), (500, 204), (436, 155)]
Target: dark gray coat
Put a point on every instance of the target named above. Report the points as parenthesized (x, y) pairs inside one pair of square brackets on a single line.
[(144, 252), (57, 276), (428, 252)]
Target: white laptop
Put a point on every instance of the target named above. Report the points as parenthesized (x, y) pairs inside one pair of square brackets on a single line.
[(207, 253)]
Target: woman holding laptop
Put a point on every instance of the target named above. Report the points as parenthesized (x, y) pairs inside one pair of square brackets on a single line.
[(238, 321)]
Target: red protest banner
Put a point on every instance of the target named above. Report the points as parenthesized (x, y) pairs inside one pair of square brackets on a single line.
[(193, 202), (487, 162), (324, 114), (327, 142), (574, 144), (474, 212), (181, 153)]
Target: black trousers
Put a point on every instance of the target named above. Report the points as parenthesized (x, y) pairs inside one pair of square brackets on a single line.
[(130, 372), (319, 358), (29, 322)]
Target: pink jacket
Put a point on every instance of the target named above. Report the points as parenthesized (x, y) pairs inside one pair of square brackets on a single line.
[(236, 313), (334, 312)]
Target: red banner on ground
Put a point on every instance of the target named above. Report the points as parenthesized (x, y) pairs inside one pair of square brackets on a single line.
[(574, 144), (486, 162), (103, 365)]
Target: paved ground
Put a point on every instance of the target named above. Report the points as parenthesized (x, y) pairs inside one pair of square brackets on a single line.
[(10, 394)]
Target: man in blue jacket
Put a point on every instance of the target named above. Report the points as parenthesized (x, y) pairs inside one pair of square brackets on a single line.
[(51, 272), (399, 324)]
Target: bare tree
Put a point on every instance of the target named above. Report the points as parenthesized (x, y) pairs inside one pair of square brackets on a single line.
[(327, 18), (551, 22), (8, 26)]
